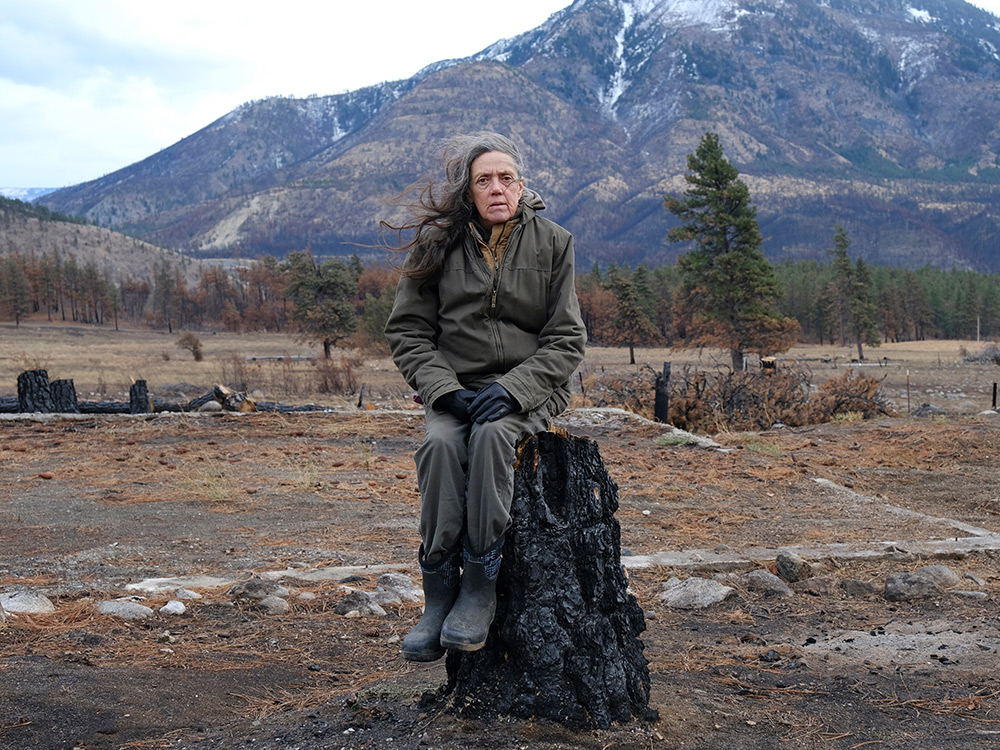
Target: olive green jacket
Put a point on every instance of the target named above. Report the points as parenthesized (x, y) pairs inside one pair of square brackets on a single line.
[(520, 326)]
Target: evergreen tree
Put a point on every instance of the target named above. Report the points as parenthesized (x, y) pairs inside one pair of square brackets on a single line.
[(632, 324), (851, 296), (321, 296), (166, 302), (15, 294), (842, 289), (862, 310), (728, 284)]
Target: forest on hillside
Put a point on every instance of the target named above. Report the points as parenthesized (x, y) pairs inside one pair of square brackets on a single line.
[(338, 302)]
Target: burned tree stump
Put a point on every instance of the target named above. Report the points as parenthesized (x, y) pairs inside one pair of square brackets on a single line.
[(64, 399), (564, 644), (34, 394), (138, 398)]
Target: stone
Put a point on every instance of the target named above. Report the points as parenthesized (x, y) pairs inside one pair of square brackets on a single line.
[(125, 609), (694, 593), (397, 588), (979, 595), (173, 607), (892, 552), (166, 585), (27, 602), (857, 589), (904, 587), (764, 582), (817, 586), (793, 567), (186, 594), (942, 575), (273, 605), (929, 410), (255, 589), (360, 602)]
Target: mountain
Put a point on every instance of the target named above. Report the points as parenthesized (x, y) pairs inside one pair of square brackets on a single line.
[(880, 115), (33, 232), (24, 194)]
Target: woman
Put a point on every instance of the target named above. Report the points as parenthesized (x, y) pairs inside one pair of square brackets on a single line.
[(486, 328)]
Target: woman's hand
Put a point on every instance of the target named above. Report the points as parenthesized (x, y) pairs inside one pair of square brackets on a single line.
[(491, 403)]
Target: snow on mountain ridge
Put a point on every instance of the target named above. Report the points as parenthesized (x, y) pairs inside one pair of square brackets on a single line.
[(924, 16), (25, 194), (679, 13)]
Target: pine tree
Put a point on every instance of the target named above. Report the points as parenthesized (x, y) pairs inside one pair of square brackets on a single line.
[(843, 283), (852, 296), (15, 294), (321, 294), (728, 285), (633, 324), (862, 308)]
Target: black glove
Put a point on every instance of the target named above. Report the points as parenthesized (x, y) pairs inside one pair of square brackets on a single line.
[(491, 403), (456, 403)]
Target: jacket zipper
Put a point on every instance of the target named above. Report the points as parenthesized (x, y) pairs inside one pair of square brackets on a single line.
[(508, 250)]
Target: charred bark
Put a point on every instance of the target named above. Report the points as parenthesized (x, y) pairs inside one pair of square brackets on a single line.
[(34, 393), (104, 407), (64, 399), (564, 644), (138, 398)]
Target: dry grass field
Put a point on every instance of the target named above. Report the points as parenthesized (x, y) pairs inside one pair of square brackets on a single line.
[(103, 363)]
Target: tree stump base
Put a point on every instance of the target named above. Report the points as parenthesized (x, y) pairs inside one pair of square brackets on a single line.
[(34, 393), (64, 400), (138, 398), (564, 643)]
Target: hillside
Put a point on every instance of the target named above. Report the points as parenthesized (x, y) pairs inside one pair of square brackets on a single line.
[(122, 257), (880, 115)]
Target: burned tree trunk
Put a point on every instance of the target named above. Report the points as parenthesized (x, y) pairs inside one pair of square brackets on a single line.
[(64, 399), (138, 398), (34, 394), (661, 407), (564, 644)]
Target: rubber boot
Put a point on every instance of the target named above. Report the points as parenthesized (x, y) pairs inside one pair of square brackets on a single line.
[(468, 623), (441, 585)]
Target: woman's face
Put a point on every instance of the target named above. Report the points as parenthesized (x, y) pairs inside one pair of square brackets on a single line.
[(495, 187)]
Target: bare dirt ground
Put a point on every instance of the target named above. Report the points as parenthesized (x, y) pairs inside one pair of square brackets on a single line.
[(91, 505)]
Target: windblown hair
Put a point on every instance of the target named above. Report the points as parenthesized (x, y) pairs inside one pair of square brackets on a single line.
[(443, 211)]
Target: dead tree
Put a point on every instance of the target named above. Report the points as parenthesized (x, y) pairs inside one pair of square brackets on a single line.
[(564, 644), (34, 394), (64, 399), (138, 398)]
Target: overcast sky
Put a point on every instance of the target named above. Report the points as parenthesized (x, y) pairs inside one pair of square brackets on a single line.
[(90, 86)]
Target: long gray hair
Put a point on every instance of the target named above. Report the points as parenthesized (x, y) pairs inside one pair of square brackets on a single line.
[(443, 211)]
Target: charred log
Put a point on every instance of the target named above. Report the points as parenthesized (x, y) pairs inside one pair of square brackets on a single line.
[(196, 403), (564, 644), (104, 407)]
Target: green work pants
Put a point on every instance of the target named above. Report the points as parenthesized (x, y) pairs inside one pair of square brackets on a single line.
[(465, 473)]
